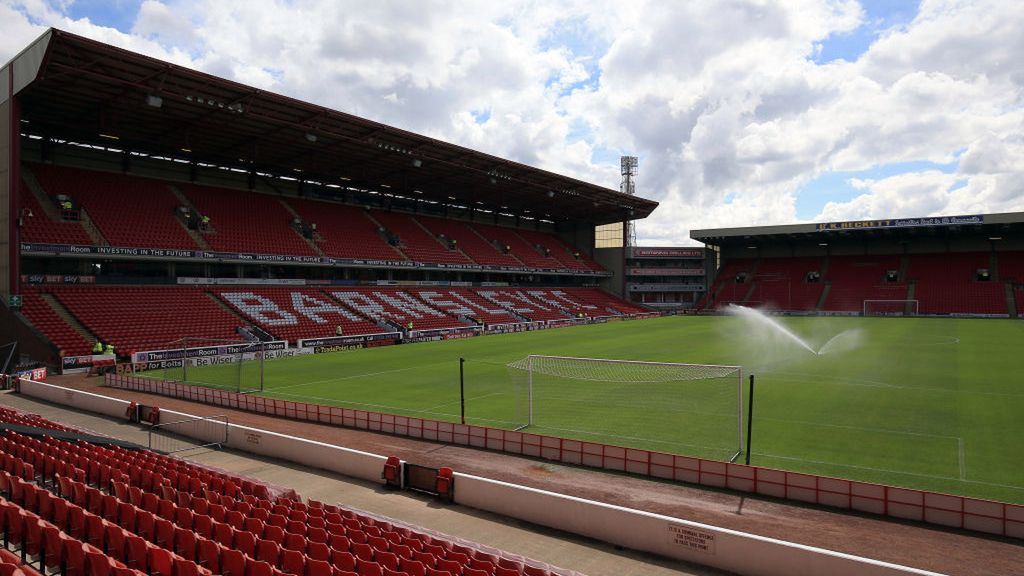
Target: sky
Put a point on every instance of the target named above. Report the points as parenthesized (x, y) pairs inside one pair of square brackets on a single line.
[(742, 112)]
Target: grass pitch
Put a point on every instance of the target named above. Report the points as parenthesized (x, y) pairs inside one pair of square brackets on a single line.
[(927, 403)]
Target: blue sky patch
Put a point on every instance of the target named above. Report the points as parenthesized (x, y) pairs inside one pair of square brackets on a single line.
[(836, 187), (119, 14), (880, 15), (481, 116)]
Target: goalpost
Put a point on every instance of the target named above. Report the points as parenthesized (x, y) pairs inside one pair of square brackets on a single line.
[(891, 307), (236, 365), (694, 409)]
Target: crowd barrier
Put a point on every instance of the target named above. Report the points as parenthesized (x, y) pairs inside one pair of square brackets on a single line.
[(670, 537), (980, 515)]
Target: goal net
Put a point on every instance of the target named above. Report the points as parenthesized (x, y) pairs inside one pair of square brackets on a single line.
[(236, 365), (890, 307), (693, 409)]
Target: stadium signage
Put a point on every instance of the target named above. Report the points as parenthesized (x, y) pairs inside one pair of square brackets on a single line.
[(666, 271), (667, 253), (219, 359), (81, 363), (900, 223), (443, 334), (348, 340), (205, 351), (56, 279), (666, 287), (156, 253), (37, 374)]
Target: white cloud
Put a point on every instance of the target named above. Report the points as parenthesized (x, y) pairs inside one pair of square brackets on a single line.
[(720, 99)]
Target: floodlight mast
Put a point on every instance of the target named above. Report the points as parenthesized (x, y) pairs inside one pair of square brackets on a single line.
[(629, 165)]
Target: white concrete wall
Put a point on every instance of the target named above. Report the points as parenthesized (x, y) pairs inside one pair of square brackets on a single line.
[(353, 463), (663, 535)]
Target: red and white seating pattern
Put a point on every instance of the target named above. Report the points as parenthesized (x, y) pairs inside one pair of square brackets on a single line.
[(529, 304), (397, 306), (137, 318), (294, 313)]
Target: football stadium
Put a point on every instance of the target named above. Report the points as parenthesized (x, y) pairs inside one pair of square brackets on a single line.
[(249, 335)]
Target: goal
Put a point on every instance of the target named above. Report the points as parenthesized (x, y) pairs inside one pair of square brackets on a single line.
[(890, 308), (235, 365), (693, 409)]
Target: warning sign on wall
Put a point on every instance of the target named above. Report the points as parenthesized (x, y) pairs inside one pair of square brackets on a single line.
[(692, 538)]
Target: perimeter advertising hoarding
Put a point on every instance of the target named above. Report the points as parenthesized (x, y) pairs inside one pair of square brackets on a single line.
[(205, 351)]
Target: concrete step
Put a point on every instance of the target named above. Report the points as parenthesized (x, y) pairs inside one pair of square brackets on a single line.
[(68, 317)]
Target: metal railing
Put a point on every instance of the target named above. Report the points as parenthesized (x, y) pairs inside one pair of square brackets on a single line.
[(189, 434)]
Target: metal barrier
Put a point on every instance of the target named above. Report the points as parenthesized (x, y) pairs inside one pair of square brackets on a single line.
[(189, 434)]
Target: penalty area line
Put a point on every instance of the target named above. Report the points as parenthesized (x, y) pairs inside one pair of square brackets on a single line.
[(888, 471), (350, 377)]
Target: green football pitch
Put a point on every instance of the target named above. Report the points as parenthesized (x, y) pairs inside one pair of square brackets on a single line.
[(928, 403)]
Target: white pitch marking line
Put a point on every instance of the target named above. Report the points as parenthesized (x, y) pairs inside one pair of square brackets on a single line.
[(432, 408), (804, 377), (932, 476), (351, 377), (348, 403), (861, 428)]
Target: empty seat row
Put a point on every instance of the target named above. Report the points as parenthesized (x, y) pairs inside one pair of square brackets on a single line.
[(131, 211)]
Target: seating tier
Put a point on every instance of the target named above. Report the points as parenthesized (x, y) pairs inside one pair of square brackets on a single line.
[(137, 318), (246, 222), (345, 231), (859, 278), (418, 244), (46, 320), (947, 284), (517, 247), (129, 211), (469, 242), (40, 228)]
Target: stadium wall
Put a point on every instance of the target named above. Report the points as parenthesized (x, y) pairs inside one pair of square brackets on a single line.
[(8, 195), (663, 535), (975, 514)]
